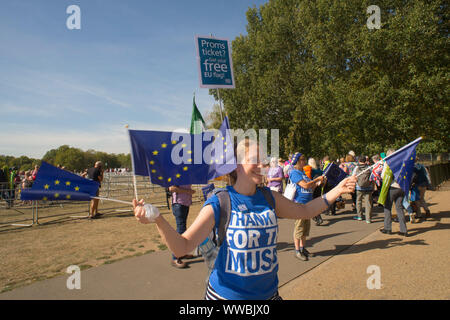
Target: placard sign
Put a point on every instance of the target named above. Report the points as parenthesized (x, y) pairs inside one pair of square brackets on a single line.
[(214, 62)]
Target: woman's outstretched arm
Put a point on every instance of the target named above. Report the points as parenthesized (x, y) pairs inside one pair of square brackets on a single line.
[(180, 244), (288, 209)]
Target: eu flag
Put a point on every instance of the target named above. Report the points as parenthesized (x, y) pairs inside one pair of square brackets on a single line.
[(174, 158), (401, 163), (53, 183), (222, 157), (334, 174)]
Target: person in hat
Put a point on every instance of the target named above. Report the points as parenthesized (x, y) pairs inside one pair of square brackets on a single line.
[(305, 187)]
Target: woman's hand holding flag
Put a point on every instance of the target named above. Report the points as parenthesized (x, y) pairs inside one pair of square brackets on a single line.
[(145, 213)]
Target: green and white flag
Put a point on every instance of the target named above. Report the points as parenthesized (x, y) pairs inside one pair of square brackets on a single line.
[(197, 122), (387, 180)]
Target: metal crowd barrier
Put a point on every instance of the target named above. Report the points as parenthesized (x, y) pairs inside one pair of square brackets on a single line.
[(113, 186), (439, 173)]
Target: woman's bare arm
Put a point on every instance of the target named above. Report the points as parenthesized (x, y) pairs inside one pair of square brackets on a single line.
[(182, 244), (286, 208)]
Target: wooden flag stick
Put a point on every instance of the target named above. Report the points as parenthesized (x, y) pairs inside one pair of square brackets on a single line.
[(114, 200), (132, 164)]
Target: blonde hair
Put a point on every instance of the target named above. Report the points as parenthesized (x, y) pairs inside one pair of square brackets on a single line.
[(312, 163), (389, 152), (273, 162)]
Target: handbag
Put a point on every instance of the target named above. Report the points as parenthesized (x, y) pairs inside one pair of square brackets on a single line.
[(290, 191)]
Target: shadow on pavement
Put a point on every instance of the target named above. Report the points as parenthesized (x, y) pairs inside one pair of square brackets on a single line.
[(378, 244), (289, 246)]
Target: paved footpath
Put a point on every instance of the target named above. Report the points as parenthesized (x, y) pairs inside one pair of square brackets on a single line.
[(415, 267)]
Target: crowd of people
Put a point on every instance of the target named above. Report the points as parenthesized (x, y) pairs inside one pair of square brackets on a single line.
[(370, 172), (13, 180)]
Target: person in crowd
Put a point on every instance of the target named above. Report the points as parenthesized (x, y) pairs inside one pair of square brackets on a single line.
[(281, 163), (275, 176), (95, 173), (364, 189), (27, 181), (376, 176), (325, 162), (331, 210), (13, 183), (316, 172), (4, 184), (304, 194), (181, 201), (253, 274), (395, 196), (422, 182), (287, 168), (35, 171), (348, 167)]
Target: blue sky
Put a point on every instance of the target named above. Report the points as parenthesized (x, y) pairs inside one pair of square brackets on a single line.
[(133, 62)]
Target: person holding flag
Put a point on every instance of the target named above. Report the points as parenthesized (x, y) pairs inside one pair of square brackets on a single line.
[(246, 266), (397, 174)]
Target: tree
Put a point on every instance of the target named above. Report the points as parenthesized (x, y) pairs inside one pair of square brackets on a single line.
[(213, 118), (313, 70)]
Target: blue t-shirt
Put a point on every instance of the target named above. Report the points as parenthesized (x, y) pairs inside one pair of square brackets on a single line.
[(247, 265), (302, 195)]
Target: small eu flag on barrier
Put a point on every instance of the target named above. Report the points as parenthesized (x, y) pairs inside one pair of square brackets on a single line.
[(53, 183)]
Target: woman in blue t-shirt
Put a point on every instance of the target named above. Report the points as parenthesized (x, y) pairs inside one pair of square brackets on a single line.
[(305, 188), (246, 266)]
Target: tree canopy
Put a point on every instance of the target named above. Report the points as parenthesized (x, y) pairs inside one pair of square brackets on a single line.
[(71, 158), (316, 72)]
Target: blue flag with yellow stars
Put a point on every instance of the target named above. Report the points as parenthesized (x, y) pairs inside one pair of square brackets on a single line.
[(53, 183), (334, 174), (176, 158), (401, 163)]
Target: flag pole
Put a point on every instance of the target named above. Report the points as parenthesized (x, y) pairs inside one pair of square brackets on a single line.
[(114, 200), (218, 95), (132, 164), (379, 161), (402, 148), (220, 104)]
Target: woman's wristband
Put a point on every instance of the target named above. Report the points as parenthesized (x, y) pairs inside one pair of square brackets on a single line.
[(324, 197)]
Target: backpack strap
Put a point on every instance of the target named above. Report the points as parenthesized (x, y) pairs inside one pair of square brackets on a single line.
[(225, 213), (268, 196)]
